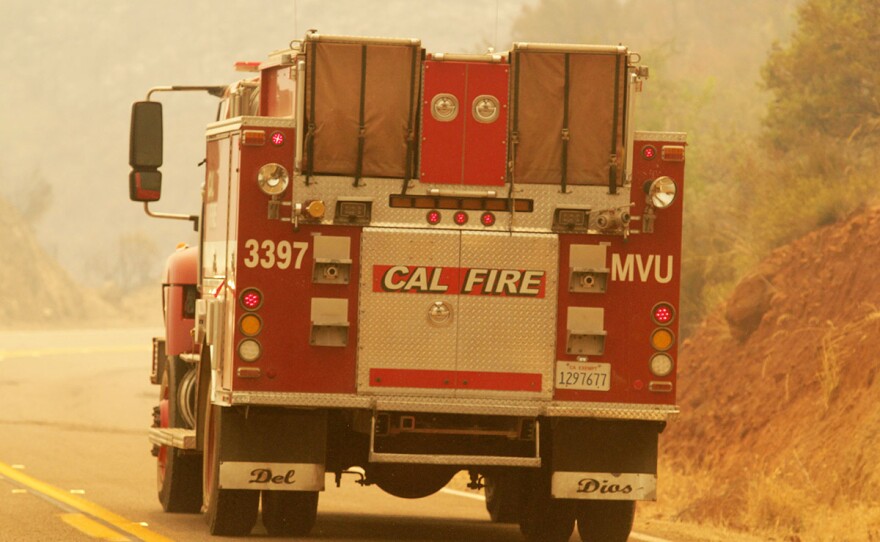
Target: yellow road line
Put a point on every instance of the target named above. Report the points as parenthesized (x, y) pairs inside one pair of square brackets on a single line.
[(86, 507), (92, 528), (61, 351)]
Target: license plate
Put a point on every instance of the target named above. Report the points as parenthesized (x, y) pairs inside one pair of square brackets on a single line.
[(578, 375)]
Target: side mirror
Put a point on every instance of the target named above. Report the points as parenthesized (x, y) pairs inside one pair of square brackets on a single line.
[(145, 151), (144, 185)]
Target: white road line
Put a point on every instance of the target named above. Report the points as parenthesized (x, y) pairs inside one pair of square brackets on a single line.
[(479, 497), (63, 351), (646, 538), (475, 496)]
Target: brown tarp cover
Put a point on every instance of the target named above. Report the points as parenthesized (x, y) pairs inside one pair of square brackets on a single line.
[(540, 110), (333, 104)]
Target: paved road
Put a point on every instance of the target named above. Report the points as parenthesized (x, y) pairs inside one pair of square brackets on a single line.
[(75, 462)]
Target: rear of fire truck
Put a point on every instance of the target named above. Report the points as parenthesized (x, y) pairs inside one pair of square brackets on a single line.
[(416, 264)]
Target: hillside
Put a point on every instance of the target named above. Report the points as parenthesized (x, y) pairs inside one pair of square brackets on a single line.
[(780, 428), (34, 289)]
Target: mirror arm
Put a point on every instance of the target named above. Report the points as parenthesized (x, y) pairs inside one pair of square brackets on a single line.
[(173, 216), (212, 90)]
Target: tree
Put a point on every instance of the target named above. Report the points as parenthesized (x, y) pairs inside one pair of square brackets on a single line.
[(826, 81)]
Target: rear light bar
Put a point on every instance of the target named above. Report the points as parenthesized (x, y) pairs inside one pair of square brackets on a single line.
[(461, 203)]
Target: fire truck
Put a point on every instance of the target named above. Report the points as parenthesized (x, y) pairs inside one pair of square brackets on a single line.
[(412, 265)]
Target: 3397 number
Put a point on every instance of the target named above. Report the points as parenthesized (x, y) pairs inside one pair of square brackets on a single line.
[(268, 254)]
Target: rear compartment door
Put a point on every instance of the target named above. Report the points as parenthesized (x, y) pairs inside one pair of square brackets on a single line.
[(408, 283), (457, 313), (507, 314)]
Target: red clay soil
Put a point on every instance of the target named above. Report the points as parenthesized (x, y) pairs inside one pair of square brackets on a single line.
[(781, 385)]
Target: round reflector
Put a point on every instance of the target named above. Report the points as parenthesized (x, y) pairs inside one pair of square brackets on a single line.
[(251, 299), (249, 350), (461, 218), (488, 219), (433, 217), (663, 313), (661, 364)]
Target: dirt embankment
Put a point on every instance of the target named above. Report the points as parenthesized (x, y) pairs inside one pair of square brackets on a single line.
[(780, 393), (36, 292)]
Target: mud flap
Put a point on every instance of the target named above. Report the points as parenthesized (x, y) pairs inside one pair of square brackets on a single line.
[(273, 449), (604, 459)]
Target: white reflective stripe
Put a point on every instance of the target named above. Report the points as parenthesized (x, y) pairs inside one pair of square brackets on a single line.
[(604, 486), (272, 476)]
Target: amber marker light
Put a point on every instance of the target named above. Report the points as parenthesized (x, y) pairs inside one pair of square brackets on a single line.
[(662, 339), (253, 138), (250, 324)]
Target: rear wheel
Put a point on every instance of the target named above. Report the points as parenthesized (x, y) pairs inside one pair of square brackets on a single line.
[(289, 513), (605, 521), (503, 496), (543, 518), (228, 512), (178, 472)]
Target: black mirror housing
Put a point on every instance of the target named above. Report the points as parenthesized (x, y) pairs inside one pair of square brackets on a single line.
[(145, 142)]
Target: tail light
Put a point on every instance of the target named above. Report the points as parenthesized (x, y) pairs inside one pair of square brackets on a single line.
[(251, 299), (663, 314)]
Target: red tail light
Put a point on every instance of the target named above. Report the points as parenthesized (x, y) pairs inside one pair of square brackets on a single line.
[(251, 299), (663, 313)]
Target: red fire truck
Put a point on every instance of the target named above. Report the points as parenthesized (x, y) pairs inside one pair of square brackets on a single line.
[(411, 265)]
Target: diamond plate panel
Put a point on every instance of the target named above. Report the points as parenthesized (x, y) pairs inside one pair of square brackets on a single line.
[(505, 332), (395, 330)]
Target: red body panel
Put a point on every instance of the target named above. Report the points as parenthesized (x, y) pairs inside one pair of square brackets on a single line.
[(464, 150), (469, 380), (442, 140), (288, 362), (485, 157), (642, 275), (181, 270)]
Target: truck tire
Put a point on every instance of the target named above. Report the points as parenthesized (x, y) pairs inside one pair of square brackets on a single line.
[(178, 472), (543, 518), (228, 512), (605, 521), (289, 513), (503, 496)]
